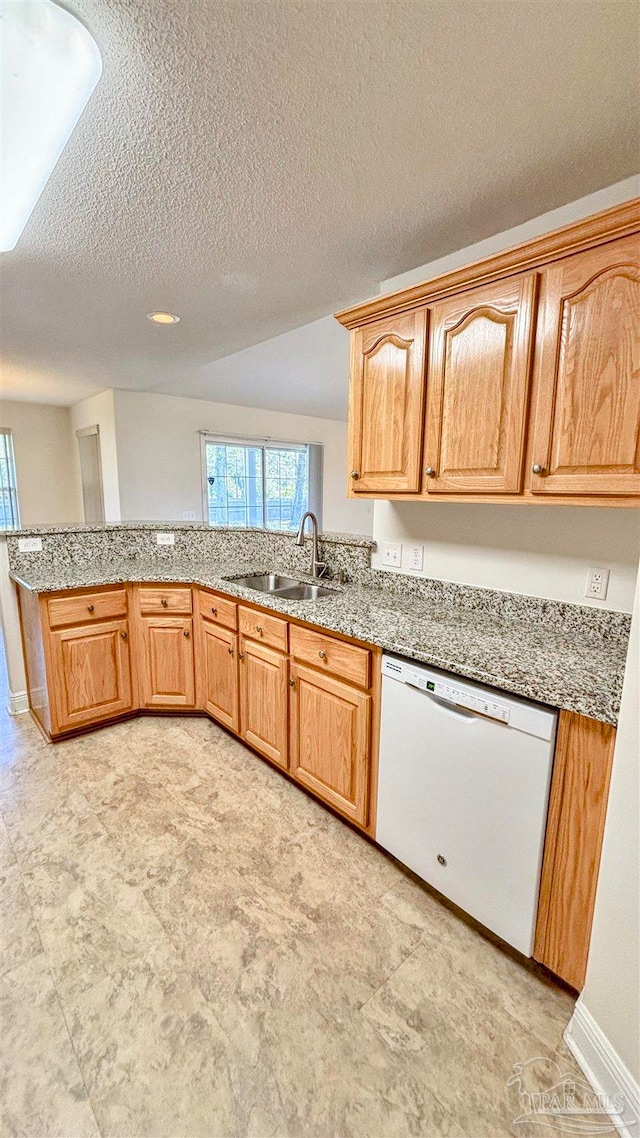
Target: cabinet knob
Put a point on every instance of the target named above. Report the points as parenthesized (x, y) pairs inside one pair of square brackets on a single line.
[(430, 472), (214, 611), (123, 635), (90, 608), (354, 474), (259, 628), (241, 655), (230, 650), (292, 683), (537, 468), (322, 654), (186, 633), (164, 602)]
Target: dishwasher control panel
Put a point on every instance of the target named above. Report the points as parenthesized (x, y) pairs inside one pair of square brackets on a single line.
[(480, 702)]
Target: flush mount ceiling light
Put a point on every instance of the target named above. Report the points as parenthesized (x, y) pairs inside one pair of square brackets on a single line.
[(50, 67), (163, 317)]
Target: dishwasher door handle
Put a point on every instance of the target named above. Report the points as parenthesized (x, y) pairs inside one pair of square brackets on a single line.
[(448, 708)]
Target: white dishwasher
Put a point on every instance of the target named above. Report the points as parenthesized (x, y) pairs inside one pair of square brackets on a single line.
[(463, 792)]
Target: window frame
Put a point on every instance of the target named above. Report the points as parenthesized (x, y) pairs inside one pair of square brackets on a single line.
[(11, 490), (315, 459)]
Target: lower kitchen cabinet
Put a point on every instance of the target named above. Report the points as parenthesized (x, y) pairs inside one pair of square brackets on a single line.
[(330, 741), (264, 700), (307, 700), (92, 670), (166, 663), (218, 690)]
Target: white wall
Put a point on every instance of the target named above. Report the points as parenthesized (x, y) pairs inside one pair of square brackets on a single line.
[(100, 410), (48, 493), (539, 550), (159, 457), (48, 481), (543, 551)]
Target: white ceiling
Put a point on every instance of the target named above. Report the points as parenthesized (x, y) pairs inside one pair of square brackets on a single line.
[(256, 164)]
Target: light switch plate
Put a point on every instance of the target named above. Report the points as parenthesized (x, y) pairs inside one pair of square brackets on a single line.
[(165, 538), (188, 515), (30, 545), (413, 556), (391, 553)]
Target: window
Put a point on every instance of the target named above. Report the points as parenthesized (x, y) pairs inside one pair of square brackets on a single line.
[(9, 517), (257, 483)]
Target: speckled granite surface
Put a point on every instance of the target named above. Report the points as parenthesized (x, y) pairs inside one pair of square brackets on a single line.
[(564, 655), (76, 548)]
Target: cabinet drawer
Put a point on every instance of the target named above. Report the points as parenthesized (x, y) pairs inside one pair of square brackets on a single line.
[(264, 628), (170, 599), (331, 655), (218, 609), (87, 608)]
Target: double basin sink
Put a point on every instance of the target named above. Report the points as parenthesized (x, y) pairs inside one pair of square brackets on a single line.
[(287, 588)]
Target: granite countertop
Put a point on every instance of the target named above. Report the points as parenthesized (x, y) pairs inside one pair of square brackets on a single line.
[(580, 672)]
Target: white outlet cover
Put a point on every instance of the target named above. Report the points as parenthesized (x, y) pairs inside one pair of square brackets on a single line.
[(165, 538), (597, 583), (188, 515), (413, 556), (30, 545), (392, 553)]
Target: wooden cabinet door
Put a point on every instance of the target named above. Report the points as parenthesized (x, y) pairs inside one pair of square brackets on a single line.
[(386, 403), (218, 674), (330, 741), (478, 388), (91, 673), (166, 662), (587, 415), (264, 700)]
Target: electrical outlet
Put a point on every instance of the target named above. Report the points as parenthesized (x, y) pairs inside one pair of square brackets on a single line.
[(597, 584), (412, 556), (29, 544), (391, 554), (188, 515), (165, 538)]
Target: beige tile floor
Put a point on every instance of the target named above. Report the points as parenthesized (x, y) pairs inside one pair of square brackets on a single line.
[(193, 947)]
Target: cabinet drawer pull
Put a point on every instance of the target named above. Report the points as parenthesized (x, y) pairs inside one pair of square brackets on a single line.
[(259, 628), (186, 633), (292, 683), (164, 602), (123, 635), (322, 654), (90, 608), (430, 472), (537, 468), (214, 611)]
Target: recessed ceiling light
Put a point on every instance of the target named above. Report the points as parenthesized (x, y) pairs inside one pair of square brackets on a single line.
[(163, 317)]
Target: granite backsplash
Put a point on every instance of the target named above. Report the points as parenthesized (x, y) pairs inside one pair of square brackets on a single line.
[(66, 547)]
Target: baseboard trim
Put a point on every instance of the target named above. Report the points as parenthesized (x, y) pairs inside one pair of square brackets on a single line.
[(604, 1069), (18, 702)]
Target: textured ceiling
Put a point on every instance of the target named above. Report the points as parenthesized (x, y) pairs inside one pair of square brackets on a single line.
[(257, 164)]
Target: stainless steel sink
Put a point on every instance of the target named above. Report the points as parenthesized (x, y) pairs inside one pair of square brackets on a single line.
[(286, 587), (266, 582), (305, 592)]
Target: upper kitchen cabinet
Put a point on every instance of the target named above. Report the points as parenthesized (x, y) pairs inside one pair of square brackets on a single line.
[(585, 430), (477, 388), (386, 404), (528, 390)]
